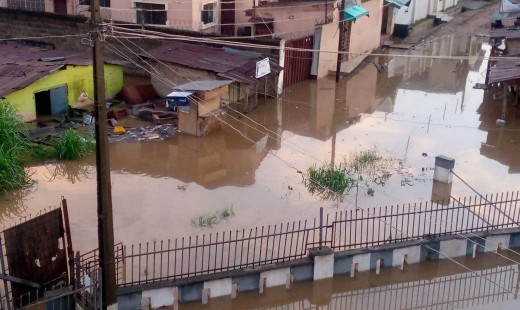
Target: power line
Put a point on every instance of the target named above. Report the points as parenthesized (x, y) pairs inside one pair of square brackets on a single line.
[(143, 34)]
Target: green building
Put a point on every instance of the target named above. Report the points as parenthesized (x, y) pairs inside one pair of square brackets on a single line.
[(41, 81)]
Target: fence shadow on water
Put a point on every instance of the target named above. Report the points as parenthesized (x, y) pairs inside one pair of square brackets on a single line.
[(174, 259)]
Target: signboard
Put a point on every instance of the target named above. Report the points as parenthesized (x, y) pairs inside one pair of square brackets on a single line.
[(263, 67)]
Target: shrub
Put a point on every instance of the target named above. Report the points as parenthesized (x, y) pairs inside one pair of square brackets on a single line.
[(73, 145)]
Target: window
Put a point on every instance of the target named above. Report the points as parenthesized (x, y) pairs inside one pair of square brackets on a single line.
[(150, 13), (31, 5), (207, 15), (102, 3)]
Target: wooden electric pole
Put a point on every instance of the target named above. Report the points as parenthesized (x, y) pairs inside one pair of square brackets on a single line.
[(340, 41), (104, 190)]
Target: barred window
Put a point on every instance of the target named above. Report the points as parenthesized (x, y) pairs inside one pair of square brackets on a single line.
[(31, 5), (150, 13), (102, 3), (208, 13)]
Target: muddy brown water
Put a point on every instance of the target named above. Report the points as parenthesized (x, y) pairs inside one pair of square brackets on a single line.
[(413, 110), (486, 282)]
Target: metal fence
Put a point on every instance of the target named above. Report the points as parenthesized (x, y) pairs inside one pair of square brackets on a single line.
[(460, 291), (247, 248)]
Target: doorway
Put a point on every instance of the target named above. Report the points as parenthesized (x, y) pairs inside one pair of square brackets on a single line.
[(51, 102), (60, 6), (227, 15)]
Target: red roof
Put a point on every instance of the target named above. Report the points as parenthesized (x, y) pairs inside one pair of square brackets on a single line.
[(217, 60)]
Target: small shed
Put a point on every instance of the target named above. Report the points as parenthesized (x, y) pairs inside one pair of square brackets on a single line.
[(180, 63), (199, 104)]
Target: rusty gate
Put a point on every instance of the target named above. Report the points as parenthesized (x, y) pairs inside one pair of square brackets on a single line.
[(298, 60), (39, 256)]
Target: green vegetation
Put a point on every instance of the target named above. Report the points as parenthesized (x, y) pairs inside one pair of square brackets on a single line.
[(16, 151), (73, 144), (329, 181), (210, 219), (367, 166)]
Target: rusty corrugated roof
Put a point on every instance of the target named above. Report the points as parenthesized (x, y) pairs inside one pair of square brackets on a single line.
[(217, 60), (22, 65), (512, 34), (505, 70)]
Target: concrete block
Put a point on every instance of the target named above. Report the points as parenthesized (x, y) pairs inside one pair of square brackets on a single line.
[(430, 251), (386, 258), (443, 167), (413, 255), (191, 292), (362, 261), (145, 303), (205, 296), (247, 283), (514, 241), (323, 267), (218, 288), (234, 291), (453, 248), (129, 301), (275, 277), (161, 297), (342, 265), (303, 273), (493, 242), (471, 242)]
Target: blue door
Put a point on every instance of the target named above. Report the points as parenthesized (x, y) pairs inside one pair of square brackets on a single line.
[(58, 100)]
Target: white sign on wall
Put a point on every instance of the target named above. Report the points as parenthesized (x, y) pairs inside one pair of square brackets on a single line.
[(263, 67)]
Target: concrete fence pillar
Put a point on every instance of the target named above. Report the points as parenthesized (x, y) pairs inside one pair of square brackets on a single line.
[(443, 167), (323, 258)]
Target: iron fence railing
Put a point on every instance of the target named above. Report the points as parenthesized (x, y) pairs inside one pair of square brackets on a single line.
[(179, 258)]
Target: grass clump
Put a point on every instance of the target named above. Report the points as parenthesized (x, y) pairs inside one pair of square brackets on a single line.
[(14, 149), (366, 166), (210, 219), (328, 181), (73, 144)]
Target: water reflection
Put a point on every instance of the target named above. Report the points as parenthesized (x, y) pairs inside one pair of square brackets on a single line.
[(14, 204), (502, 142), (70, 171), (429, 285)]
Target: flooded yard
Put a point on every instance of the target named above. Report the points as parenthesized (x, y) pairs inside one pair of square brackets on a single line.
[(413, 110)]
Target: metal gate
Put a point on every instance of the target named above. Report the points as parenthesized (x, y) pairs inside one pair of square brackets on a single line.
[(39, 257), (298, 60)]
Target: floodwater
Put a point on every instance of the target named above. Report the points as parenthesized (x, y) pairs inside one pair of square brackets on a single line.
[(490, 282), (415, 109)]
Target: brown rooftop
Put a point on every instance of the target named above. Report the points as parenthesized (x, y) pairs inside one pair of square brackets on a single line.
[(21, 65)]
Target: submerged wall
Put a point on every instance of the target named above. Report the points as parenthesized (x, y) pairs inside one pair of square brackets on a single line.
[(319, 265)]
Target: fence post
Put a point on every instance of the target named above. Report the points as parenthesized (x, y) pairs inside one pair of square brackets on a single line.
[(321, 227), (2, 264), (77, 271)]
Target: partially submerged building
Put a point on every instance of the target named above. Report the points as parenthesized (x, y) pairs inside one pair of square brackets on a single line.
[(41, 81), (199, 105), (179, 63)]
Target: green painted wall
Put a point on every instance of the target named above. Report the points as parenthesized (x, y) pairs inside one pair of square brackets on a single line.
[(77, 78)]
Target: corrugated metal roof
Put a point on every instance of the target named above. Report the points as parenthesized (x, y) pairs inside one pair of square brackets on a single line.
[(22, 65), (225, 63), (197, 57), (511, 34), (202, 85), (505, 70)]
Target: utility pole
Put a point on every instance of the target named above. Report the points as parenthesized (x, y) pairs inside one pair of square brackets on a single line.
[(341, 38), (104, 190)]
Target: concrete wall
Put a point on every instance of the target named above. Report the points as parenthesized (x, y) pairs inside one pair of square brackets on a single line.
[(320, 265), (289, 20), (328, 42), (366, 31), (77, 78)]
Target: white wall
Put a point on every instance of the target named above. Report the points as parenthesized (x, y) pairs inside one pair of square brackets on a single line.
[(366, 31)]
